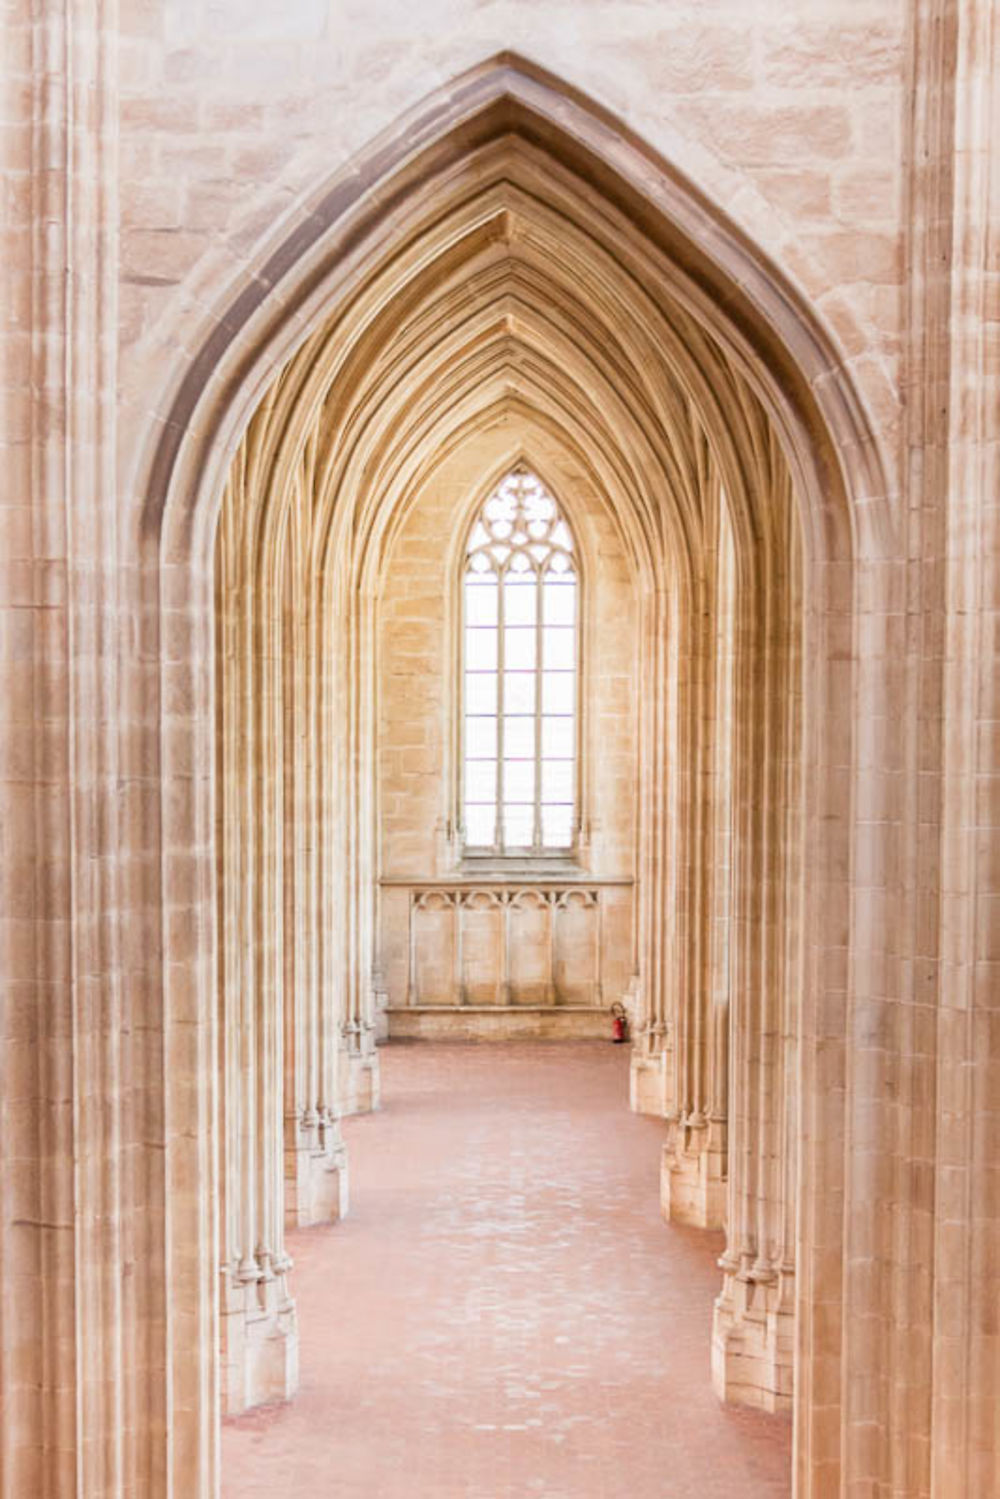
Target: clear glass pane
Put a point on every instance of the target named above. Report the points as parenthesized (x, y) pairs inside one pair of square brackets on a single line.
[(557, 780), (557, 827), (480, 781), (480, 826), (481, 594), (518, 781), (537, 504), (519, 647), (559, 647), (519, 691), (557, 691), (480, 692), (520, 529), (520, 599), (481, 649), (519, 738), (560, 600), (558, 738), (501, 505), (518, 826), (480, 738)]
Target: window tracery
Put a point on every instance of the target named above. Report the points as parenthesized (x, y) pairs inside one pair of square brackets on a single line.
[(521, 657)]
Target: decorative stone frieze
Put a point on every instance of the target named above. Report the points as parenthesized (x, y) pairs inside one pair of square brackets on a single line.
[(506, 959)]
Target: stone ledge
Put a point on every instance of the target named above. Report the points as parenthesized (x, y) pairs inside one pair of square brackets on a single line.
[(496, 1023)]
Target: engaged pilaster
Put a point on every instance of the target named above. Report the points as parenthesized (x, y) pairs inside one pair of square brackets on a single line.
[(316, 1178), (753, 1327), (694, 1169), (257, 989)]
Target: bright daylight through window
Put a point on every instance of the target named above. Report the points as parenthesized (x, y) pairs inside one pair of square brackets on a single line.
[(520, 657)]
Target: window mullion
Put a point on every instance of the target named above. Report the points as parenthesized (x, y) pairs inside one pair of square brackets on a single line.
[(539, 621), (501, 784)]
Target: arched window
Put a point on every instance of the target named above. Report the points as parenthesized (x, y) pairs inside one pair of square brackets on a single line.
[(520, 637)]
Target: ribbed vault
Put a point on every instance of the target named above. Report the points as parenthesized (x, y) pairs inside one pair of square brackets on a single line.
[(518, 295), (524, 288)]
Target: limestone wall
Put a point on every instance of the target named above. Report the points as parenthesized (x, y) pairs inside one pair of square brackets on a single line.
[(203, 197), (793, 120)]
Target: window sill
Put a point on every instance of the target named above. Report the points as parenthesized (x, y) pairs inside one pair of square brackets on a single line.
[(514, 867)]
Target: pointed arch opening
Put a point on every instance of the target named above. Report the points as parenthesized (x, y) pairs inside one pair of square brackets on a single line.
[(682, 376)]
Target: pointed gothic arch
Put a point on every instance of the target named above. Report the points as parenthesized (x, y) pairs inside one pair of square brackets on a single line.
[(720, 284)]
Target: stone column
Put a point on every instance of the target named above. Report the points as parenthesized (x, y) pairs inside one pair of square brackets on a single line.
[(694, 1165), (753, 1329), (259, 1334), (38, 1232), (966, 1359), (934, 1325), (653, 1083), (316, 1189), (89, 1318), (108, 1366), (353, 867)]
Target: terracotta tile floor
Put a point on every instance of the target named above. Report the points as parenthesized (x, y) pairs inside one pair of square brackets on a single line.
[(503, 1314)]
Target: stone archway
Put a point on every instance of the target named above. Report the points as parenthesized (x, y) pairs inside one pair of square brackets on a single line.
[(792, 370)]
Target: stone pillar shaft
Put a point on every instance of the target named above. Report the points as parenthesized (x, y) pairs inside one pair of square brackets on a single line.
[(653, 1087), (695, 1166), (355, 634), (754, 1317), (316, 1179), (259, 1335)]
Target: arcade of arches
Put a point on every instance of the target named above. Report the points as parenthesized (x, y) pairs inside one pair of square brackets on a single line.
[(486, 541)]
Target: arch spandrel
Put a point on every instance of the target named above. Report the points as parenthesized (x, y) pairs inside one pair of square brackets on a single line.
[(727, 285)]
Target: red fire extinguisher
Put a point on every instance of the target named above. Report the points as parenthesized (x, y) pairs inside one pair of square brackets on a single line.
[(619, 1023)]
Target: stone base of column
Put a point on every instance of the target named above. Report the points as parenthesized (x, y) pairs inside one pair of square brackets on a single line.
[(753, 1340), (693, 1175), (316, 1179), (360, 1082), (260, 1341), (648, 1091)]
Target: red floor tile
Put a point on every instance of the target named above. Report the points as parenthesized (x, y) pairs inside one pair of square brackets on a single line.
[(503, 1314)]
